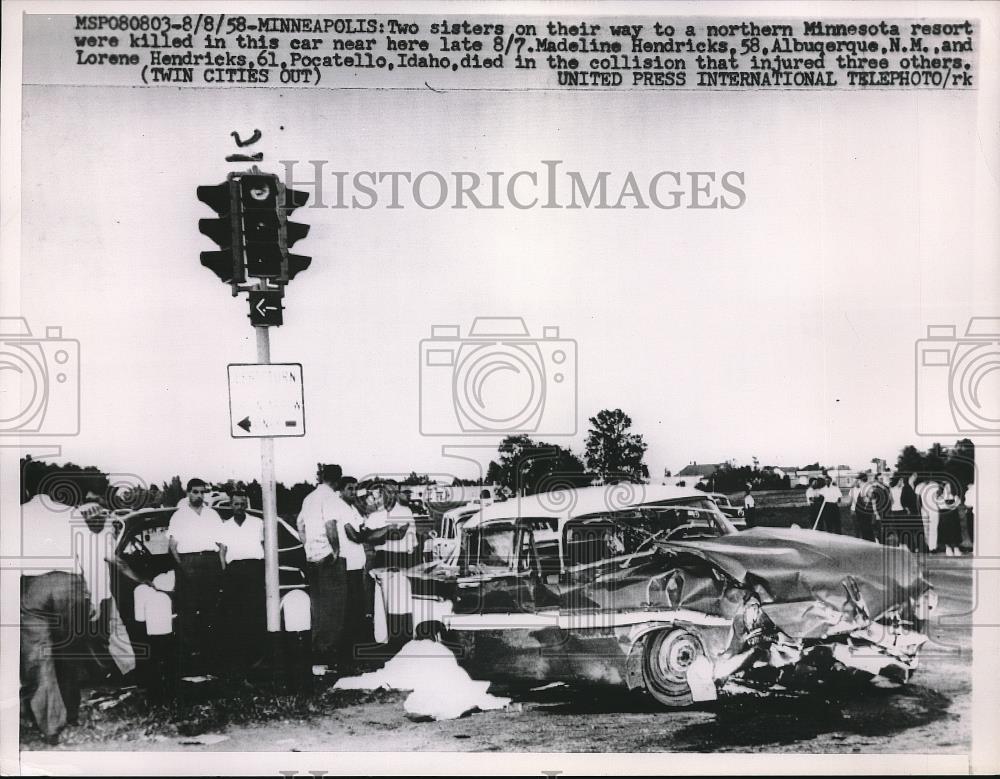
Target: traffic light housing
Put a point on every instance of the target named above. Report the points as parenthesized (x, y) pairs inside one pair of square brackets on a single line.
[(294, 231), (227, 262), (252, 229), (261, 225)]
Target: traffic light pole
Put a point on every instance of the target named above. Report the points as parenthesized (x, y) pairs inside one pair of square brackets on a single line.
[(268, 491)]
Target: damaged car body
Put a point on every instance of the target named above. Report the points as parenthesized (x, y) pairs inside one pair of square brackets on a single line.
[(660, 593)]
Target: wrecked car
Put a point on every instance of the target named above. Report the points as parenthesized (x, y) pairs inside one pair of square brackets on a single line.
[(659, 592)]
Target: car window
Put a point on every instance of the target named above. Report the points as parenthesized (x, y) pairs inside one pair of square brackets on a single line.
[(592, 539), (150, 540), (505, 547)]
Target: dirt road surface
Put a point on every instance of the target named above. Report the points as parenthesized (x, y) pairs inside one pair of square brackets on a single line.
[(931, 714)]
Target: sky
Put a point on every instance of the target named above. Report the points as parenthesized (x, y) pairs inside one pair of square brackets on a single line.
[(784, 329)]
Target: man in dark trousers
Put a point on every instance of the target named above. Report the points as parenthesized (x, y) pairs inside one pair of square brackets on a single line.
[(358, 630), (865, 510), (195, 536), (243, 599), (55, 612), (325, 568)]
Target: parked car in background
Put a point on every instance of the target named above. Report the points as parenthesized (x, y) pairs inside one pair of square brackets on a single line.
[(660, 593), (734, 513), (142, 544)]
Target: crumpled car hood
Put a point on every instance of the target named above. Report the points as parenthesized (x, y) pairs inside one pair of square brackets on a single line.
[(807, 579)]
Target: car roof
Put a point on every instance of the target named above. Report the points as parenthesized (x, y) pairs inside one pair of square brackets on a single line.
[(568, 503), (145, 516)]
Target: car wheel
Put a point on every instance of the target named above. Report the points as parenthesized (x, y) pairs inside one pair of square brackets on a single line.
[(666, 658)]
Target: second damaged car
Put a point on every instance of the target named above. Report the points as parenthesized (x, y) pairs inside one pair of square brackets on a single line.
[(659, 592)]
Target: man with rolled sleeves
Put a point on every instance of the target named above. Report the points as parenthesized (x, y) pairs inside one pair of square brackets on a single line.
[(196, 542)]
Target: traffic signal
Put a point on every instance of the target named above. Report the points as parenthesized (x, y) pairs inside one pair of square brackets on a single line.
[(261, 225), (227, 263), (293, 232), (253, 231)]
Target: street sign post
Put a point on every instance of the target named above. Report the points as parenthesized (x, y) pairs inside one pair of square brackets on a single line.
[(266, 400)]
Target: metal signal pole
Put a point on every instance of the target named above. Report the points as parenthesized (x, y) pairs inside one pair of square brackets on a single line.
[(272, 592)]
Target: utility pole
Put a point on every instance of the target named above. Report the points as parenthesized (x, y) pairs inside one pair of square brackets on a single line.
[(269, 496)]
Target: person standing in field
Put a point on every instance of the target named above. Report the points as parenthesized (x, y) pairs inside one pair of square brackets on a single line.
[(243, 596), (864, 510), (750, 508), (830, 507), (950, 524), (326, 570), (196, 544)]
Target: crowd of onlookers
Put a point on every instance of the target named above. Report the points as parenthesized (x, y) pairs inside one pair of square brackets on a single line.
[(922, 513), (207, 612)]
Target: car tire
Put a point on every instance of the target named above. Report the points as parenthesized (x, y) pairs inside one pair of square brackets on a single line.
[(665, 659)]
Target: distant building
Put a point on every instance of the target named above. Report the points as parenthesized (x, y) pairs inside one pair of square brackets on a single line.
[(699, 471)]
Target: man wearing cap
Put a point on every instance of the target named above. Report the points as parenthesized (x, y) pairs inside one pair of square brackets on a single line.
[(196, 542)]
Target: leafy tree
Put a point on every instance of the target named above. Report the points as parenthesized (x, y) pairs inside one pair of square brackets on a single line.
[(413, 479), (511, 450), (614, 452), (528, 467), (550, 467), (910, 460), (494, 473), (961, 463), (173, 492)]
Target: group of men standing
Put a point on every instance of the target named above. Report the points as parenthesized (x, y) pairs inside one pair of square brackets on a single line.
[(219, 583), (341, 544)]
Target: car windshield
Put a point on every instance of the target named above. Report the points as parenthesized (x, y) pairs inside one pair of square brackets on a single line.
[(613, 534)]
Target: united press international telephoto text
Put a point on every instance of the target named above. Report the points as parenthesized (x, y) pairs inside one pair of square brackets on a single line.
[(627, 53)]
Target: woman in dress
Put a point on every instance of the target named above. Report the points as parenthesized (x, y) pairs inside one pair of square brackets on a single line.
[(927, 492), (949, 523)]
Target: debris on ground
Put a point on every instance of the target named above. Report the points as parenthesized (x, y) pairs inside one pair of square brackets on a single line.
[(206, 739), (427, 668), (105, 702)]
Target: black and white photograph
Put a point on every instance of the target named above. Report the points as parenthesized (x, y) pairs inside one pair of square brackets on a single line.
[(476, 387)]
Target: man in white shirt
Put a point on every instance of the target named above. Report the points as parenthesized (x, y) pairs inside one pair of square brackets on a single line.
[(243, 599), (55, 612), (969, 499), (392, 530), (830, 509), (326, 570), (196, 543), (358, 629), (749, 508)]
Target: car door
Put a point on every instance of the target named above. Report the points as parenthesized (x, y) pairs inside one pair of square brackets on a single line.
[(495, 577)]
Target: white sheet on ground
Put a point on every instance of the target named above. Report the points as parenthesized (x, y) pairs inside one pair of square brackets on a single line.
[(441, 689)]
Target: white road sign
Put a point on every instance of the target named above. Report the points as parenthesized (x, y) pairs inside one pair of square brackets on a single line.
[(266, 401)]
